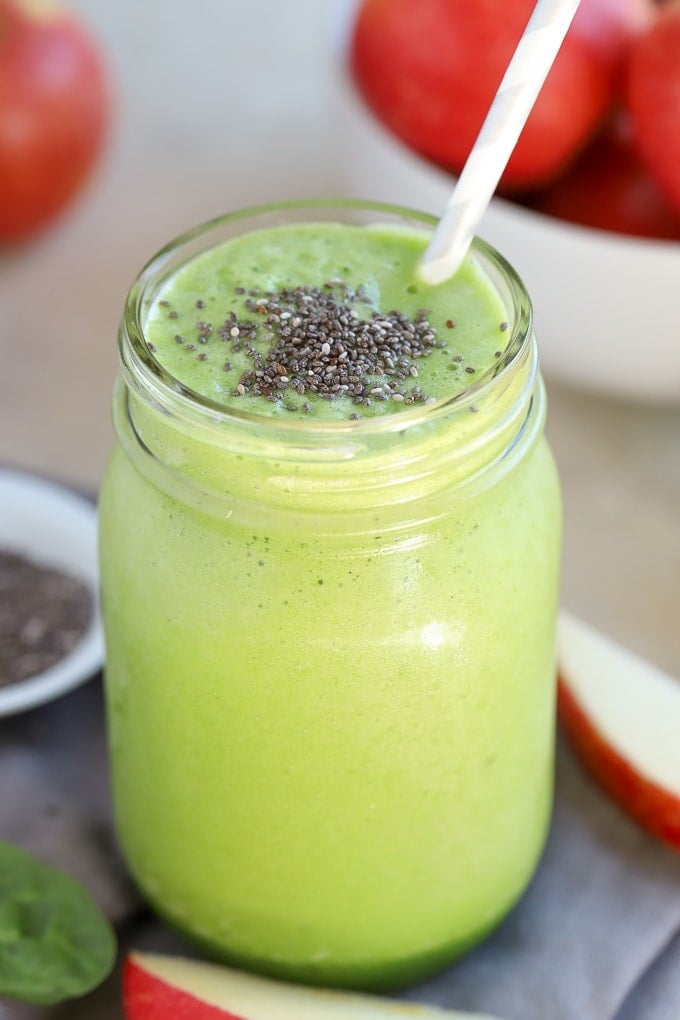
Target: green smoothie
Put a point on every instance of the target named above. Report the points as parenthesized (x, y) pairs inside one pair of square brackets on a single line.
[(241, 296), (329, 613)]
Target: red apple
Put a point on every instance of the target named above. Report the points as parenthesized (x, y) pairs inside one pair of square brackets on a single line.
[(54, 110), (652, 95), (430, 68), (174, 988), (608, 188), (622, 717)]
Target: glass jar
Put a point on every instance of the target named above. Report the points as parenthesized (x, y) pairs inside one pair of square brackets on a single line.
[(330, 653)]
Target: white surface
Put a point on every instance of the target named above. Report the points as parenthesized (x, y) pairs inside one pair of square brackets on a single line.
[(606, 306), (53, 527)]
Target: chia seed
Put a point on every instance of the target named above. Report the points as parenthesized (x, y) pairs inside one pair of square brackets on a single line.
[(43, 615), (320, 344)]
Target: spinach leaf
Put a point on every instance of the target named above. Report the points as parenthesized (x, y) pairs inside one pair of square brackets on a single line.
[(54, 942)]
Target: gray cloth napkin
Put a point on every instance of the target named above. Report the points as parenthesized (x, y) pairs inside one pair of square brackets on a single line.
[(596, 937)]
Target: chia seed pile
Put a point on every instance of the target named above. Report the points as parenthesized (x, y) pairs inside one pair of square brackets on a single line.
[(43, 615), (319, 340)]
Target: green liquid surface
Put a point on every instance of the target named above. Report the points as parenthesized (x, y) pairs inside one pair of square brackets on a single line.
[(332, 741), (190, 329)]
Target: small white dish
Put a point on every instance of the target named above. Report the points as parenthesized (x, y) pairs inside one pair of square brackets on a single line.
[(53, 526)]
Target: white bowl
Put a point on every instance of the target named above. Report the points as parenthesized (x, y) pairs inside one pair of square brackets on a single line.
[(607, 307), (54, 527)]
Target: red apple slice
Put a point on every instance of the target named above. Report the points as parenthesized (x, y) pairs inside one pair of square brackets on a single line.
[(622, 717), (174, 988)]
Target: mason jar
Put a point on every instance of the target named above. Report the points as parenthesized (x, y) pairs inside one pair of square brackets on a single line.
[(330, 652)]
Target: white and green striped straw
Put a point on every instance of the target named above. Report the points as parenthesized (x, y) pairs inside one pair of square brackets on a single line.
[(498, 136)]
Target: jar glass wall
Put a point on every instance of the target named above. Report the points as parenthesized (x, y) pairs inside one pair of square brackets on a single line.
[(330, 654)]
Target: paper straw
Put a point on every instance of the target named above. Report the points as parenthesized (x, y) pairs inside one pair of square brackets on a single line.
[(498, 136)]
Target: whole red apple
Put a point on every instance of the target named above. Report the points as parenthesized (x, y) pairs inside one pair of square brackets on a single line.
[(54, 110), (608, 188), (430, 68), (652, 96)]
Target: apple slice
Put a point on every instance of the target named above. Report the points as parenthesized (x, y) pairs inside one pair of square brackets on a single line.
[(622, 717), (174, 988)]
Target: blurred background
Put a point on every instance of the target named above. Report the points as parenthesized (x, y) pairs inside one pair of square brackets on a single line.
[(220, 103), (216, 104)]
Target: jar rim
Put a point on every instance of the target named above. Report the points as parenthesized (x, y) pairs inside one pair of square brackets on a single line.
[(151, 378)]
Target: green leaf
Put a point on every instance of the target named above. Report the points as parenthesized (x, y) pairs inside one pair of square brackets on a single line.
[(55, 943)]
